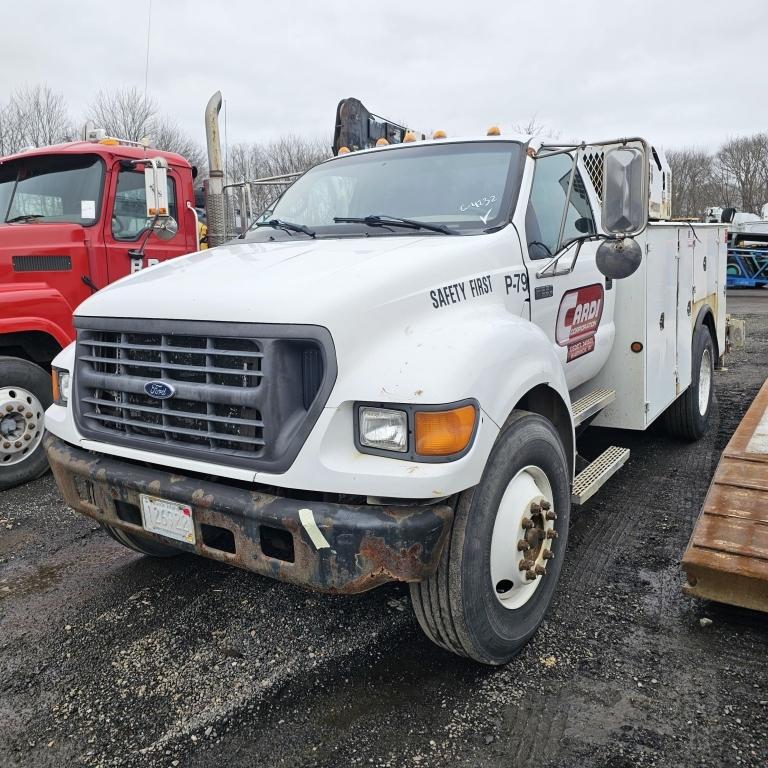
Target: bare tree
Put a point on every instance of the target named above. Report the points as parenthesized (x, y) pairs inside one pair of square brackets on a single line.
[(534, 127), (693, 185), (741, 173), (165, 134), (290, 154), (41, 116), (125, 113), (34, 116)]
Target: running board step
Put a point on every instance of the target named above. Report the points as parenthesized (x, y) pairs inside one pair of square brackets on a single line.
[(587, 406), (589, 481)]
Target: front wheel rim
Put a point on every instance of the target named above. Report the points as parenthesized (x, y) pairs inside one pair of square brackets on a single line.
[(705, 381), (523, 532), (21, 425)]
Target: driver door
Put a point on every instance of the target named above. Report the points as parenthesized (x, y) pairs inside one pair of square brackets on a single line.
[(571, 301), (126, 225)]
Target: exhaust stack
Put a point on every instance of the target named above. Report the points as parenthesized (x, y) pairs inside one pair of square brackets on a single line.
[(214, 204)]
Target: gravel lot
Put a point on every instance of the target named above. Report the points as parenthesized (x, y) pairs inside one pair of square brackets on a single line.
[(111, 659)]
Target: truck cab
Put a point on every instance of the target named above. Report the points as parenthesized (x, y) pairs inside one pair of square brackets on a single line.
[(74, 219), (394, 386)]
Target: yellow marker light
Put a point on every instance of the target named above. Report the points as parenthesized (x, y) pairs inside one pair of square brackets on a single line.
[(55, 386), (444, 433), (409, 137), (439, 134), (382, 142), (493, 131), (109, 142), (343, 150)]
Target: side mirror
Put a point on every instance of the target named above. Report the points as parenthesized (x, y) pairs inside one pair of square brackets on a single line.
[(618, 258), (156, 187), (166, 228), (625, 190)]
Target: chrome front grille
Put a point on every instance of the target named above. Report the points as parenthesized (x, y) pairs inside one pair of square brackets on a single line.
[(224, 402)]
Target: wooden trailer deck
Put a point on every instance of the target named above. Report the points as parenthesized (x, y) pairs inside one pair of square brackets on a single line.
[(727, 556)]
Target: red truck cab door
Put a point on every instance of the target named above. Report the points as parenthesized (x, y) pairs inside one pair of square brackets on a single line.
[(125, 223)]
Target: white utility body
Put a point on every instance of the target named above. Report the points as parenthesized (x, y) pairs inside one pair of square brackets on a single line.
[(412, 381)]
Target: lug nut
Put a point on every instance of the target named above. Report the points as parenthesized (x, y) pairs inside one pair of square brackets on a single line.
[(540, 570), (9, 407), (20, 408), (522, 545), (548, 554), (551, 534), (27, 436), (30, 426), (28, 414), (551, 515), (17, 444), (530, 575), (527, 523), (525, 564), (545, 505), (535, 508), (6, 445)]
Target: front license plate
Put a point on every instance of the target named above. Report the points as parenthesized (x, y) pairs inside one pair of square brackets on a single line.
[(168, 518)]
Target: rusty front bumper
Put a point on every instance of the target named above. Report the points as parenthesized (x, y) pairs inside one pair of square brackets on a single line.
[(364, 545)]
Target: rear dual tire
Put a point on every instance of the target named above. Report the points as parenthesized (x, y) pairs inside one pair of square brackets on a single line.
[(481, 603), (688, 417)]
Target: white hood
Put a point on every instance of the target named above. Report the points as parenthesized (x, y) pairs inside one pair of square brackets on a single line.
[(295, 281)]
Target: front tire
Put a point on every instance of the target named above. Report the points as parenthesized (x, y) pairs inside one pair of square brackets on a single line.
[(688, 417), (25, 393), (145, 546), (499, 568)]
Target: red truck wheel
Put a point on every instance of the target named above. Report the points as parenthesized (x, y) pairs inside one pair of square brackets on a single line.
[(25, 393)]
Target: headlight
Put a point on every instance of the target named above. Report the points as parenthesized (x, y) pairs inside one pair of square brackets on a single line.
[(62, 386), (426, 433), (384, 429)]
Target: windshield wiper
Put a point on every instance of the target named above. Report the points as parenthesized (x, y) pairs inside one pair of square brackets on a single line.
[(288, 226), (24, 217), (384, 220)]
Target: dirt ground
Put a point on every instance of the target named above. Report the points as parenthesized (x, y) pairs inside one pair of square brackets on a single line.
[(111, 659)]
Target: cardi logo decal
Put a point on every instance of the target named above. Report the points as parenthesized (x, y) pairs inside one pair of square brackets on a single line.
[(579, 317)]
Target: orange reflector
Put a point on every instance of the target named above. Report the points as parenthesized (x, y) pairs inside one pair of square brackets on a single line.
[(55, 387), (493, 131), (439, 134), (343, 150), (443, 433), (382, 142), (636, 346), (409, 136)]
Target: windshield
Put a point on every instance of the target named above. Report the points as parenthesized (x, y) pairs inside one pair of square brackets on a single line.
[(52, 188), (469, 187)]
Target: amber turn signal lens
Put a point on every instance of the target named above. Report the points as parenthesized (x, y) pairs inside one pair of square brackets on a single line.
[(55, 386), (443, 433)]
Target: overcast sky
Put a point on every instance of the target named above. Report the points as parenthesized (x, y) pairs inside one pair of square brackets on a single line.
[(679, 72)]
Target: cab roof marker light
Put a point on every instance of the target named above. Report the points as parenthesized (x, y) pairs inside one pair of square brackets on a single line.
[(439, 134), (494, 130), (343, 150), (382, 142), (409, 137)]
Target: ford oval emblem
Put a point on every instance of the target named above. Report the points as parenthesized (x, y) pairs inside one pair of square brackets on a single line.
[(159, 390)]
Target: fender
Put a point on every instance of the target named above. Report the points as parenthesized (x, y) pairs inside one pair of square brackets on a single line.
[(706, 315), (487, 354), (36, 307)]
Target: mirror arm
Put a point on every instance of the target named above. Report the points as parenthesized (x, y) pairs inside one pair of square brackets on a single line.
[(567, 202), (555, 259)]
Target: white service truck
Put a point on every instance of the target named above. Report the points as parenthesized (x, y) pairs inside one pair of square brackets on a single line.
[(387, 377)]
